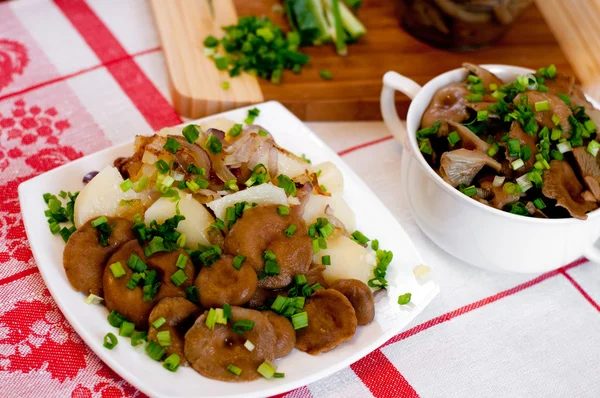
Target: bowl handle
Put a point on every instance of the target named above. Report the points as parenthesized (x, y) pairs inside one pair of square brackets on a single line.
[(394, 81), (592, 253)]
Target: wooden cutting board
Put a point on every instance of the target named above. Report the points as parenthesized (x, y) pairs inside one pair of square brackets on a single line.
[(353, 94)]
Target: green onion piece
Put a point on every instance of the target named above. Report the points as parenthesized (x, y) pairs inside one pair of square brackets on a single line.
[(269, 255), (252, 114), (65, 233), (279, 304), (404, 299), (231, 185), (473, 79), (182, 261), (536, 178), (469, 191), (226, 312), (494, 148), (300, 279), (555, 119), (110, 341), (117, 270), (551, 71), (243, 325), (235, 130), (593, 147), (164, 338), (425, 147), (138, 338), (289, 232), (266, 370), (172, 363), (556, 155), (493, 87), (179, 277), (482, 116), (93, 299), (322, 243), (514, 147), (359, 238), (191, 133), (271, 268), (375, 244), (136, 263), (287, 185), (556, 135), (262, 133), (300, 320), (193, 169), (211, 319), (453, 138), (225, 85), (126, 185), (126, 329), (211, 41), (326, 260), (213, 144), (99, 221), (238, 260), (539, 203), (474, 97), (590, 126), (134, 280), (162, 166), (54, 228), (283, 210), (327, 230), (159, 322), (156, 245), (155, 351), (220, 62), (278, 375), (234, 369), (192, 294), (249, 345), (172, 145), (565, 98), (542, 106), (325, 74), (115, 319)]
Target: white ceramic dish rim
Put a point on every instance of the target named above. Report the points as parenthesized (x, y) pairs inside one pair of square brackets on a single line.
[(424, 95), (139, 383)]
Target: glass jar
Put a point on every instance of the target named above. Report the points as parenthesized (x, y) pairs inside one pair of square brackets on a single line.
[(459, 24)]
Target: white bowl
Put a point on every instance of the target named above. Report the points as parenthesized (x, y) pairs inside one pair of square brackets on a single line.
[(473, 232)]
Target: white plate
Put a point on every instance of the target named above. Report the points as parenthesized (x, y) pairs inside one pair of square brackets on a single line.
[(372, 218)]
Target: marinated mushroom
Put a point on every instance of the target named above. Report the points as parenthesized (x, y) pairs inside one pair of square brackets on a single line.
[(448, 103), (331, 321), (222, 283), (165, 264), (360, 296), (315, 275), (262, 228), (589, 169), (285, 334), (210, 352), (469, 140), (556, 106), (179, 315), (485, 75), (84, 258), (461, 166), (561, 184)]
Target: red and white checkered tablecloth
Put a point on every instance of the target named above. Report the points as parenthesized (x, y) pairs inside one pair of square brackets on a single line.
[(77, 76)]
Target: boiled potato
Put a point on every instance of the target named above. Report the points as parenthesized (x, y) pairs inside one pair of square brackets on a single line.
[(330, 177), (287, 164), (264, 194), (102, 197), (197, 217), (315, 208), (349, 260)]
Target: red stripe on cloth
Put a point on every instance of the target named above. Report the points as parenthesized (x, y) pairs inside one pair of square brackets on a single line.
[(478, 304), (302, 392), (381, 377), (140, 90), (74, 74), (366, 144), (583, 292), (19, 275)]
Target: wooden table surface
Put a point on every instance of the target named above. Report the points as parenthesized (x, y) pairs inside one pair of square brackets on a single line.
[(353, 94)]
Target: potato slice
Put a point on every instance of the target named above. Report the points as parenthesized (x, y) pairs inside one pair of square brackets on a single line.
[(349, 260), (197, 218), (315, 208), (330, 177), (264, 194), (102, 197)]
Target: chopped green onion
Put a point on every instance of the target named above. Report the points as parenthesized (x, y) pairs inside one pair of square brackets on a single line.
[(211, 319), (243, 325), (235, 130), (469, 191), (269, 255), (192, 294), (593, 147), (262, 133), (172, 363), (238, 260), (179, 277), (326, 260), (453, 138), (234, 369), (517, 164), (266, 370), (220, 61), (555, 119), (117, 270), (126, 185), (542, 106), (225, 85), (159, 322), (249, 345), (565, 98), (514, 147), (155, 351), (252, 114), (556, 134), (287, 184), (138, 337), (300, 320), (375, 244), (525, 152), (231, 185), (473, 79), (556, 155), (535, 177), (134, 280), (211, 41), (191, 133), (279, 304), (164, 338), (110, 341), (213, 144), (162, 166), (126, 329), (482, 116), (99, 221), (404, 298), (115, 319), (278, 375), (93, 299), (359, 238), (300, 279), (494, 148), (156, 245), (193, 169), (182, 261), (136, 263), (474, 97), (590, 126), (283, 210), (425, 147), (325, 74), (326, 230), (539, 203), (172, 145), (564, 147), (289, 231), (271, 268)]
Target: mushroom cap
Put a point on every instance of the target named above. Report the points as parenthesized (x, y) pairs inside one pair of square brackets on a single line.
[(284, 333), (557, 107), (448, 103), (165, 264), (469, 139), (261, 228), (461, 165), (179, 314), (84, 259), (331, 321), (209, 352), (222, 284), (561, 184), (360, 296), (589, 169), (485, 75)]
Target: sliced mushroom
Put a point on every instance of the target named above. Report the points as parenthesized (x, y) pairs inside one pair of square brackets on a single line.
[(222, 283), (517, 132), (461, 166), (210, 352), (485, 75), (448, 103), (179, 315), (557, 107), (84, 258), (360, 296), (561, 84), (561, 184), (469, 139), (284, 334), (331, 321), (315, 275), (262, 228), (589, 169), (260, 297), (534, 211), (499, 197), (165, 264)]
